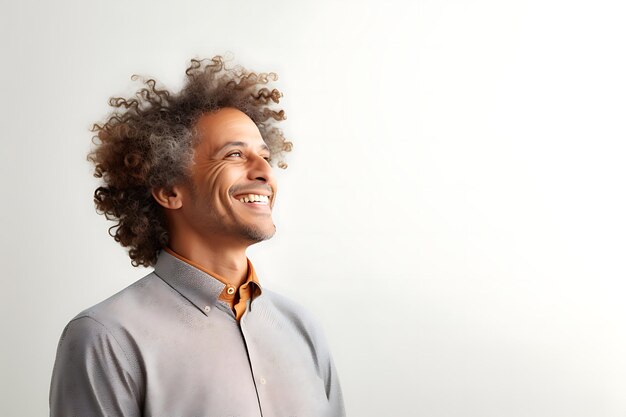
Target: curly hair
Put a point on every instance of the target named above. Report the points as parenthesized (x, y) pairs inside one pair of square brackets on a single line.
[(147, 142)]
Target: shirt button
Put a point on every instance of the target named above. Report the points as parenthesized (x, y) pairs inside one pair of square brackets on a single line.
[(230, 290), (263, 381), (207, 308)]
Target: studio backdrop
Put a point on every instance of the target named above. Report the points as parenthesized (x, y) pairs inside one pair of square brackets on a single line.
[(452, 211)]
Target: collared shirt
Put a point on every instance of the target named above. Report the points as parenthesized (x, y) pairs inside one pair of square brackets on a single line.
[(236, 298), (167, 346)]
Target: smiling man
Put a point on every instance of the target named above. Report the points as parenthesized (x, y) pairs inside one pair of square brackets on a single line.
[(188, 178)]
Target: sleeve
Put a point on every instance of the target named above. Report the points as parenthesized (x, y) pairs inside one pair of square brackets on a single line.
[(328, 372), (92, 375), (333, 390)]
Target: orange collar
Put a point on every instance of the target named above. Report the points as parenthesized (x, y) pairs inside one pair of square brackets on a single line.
[(236, 298)]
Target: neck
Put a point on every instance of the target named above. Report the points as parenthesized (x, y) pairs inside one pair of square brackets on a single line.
[(226, 259)]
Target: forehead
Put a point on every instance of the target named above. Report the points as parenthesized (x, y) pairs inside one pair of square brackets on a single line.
[(227, 125)]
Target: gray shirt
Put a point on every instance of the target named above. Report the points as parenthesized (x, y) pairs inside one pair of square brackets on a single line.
[(166, 346)]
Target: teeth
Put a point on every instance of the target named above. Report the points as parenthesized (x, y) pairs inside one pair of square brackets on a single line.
[(254, 198)]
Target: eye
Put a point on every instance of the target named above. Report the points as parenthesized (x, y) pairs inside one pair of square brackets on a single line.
[(237, 153), (267, 158)]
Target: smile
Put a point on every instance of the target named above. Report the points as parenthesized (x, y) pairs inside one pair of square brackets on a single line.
[(254, 199)]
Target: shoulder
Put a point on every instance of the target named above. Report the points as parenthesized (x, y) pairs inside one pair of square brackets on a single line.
[(88, 350), (125, 305), (294, 315), (288, 307), (94, 369), (85, 337), (113, 322), (107, 329)]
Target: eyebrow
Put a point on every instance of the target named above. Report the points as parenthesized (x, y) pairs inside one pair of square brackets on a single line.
[(242, 144)]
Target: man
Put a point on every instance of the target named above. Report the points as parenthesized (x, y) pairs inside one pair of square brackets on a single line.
[(188, 178)]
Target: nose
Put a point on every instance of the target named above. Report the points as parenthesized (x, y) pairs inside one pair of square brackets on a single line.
[(260, 169)]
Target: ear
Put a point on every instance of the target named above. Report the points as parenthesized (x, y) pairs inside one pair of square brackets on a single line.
[(170, 198)]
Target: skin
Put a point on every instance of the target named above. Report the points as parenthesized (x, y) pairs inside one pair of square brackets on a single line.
[(207, 224)]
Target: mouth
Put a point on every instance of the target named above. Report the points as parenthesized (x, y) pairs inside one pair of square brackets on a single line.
[(254, 200)]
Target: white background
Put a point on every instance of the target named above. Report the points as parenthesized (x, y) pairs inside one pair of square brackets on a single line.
[(453, 210)]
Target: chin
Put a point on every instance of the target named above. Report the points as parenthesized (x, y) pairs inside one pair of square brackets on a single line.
[(257, 234)]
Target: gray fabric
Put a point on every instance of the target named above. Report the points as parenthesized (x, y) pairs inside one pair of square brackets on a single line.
[(167, 347)]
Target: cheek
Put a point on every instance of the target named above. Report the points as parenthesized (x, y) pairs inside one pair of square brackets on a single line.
[(216, 181)]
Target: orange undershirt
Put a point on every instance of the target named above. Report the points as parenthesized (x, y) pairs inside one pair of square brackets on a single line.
[(235, 297)]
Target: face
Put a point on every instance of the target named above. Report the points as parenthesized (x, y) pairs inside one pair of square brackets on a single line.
[(233, 188)]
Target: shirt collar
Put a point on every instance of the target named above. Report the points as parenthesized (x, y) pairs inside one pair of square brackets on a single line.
[(198, 286)]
